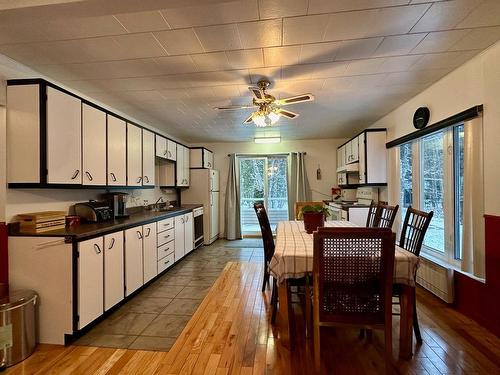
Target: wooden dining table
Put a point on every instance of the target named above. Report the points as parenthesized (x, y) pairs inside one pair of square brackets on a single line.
[(293, 259)]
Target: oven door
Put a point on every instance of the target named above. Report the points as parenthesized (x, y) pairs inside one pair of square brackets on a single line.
[(198, 230)]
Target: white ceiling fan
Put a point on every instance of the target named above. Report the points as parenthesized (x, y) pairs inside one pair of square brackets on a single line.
[(269, 108)]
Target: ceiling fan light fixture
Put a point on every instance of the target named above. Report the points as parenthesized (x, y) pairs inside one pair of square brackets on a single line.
[(265, 118)]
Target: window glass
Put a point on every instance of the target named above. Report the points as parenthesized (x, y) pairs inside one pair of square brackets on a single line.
[(458, 172), (405, 172), (432, 188)]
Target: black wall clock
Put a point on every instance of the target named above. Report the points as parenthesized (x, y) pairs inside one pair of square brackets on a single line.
[(421, 117)]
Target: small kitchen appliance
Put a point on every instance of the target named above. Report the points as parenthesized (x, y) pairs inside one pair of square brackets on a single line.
[(348, 195), (94, 211), (118, 203)]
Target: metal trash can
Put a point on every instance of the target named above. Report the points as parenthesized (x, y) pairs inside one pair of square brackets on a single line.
[(17, 327)]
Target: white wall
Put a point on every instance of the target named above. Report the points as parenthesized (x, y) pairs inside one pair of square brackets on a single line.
[(322, 152), (475, 82)]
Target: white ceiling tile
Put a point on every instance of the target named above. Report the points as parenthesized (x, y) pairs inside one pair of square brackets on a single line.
[(249, 58), (367, 66), (331, 6), (179, 42), (307, 29), (212, 14), (327, 70), (399, 63), (219, 38), (175, 64), (143, 21), (376, 22), (445, 15), (486, 14), (272, 74), (260, 33), (282, 8), (139, 45), (276, 56), (357, 49), (478, 38), (319, 52), (412, 77), (443, 60), (211, 61), (440, 41), (398, 45), (82, 27), (298, 72)]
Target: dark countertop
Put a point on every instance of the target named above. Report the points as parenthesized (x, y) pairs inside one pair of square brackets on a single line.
[(90, 230)]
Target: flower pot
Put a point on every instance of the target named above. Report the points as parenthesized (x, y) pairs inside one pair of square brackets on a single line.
[(313, 221)]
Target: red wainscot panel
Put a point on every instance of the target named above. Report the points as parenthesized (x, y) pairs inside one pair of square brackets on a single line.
[(477, 300)]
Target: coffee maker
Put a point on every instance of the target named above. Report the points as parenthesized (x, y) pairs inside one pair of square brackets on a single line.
[(118, 202)]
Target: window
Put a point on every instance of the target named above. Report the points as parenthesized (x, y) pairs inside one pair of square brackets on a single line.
[(436, 163), (405, 171)]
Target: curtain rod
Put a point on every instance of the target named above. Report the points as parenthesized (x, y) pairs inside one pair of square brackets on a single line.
[(468, 114), (267, 153)]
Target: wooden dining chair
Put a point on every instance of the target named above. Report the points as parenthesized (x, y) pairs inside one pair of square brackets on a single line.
[(268, 242), (352, 282), (415, 226), (372, 219), (386, 215), (299, 205)]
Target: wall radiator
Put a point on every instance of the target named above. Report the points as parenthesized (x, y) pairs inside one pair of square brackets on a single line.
[(437, 279)]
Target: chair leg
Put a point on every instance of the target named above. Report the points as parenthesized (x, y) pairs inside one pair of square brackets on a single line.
[(317, 347), (274, 301), (266, 277), (388, 348), (416, 327)]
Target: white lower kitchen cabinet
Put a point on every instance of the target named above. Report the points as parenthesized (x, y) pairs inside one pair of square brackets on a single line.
[(179, 237), (150, 257), (90, 281), (188, 233), (114, 284), (133, 260)]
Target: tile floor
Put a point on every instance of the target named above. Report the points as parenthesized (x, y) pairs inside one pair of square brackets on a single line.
[(154, 318)]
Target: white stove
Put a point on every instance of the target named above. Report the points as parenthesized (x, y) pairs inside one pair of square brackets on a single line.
[(354, 211)]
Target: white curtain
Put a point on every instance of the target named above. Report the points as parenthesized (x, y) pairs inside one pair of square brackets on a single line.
[(298, 185), (232, 220), (473, 260)]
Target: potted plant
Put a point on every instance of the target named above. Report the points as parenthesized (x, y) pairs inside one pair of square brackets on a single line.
[(314, 217)]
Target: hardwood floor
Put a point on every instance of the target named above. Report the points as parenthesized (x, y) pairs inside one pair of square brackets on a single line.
[(230, 334)]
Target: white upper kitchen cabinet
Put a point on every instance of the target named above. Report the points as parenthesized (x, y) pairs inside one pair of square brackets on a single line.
[(64, 138), (161, 146), (186, 166), (90, 281), (180, 169), (171, 150), (134, 155), (200, 157), (148, 158), (133, 260), (114, 283), (117, 151), (150, 252), (94, 145)]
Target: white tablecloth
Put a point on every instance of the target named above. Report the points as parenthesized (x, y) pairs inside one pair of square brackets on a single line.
[(293, 255)]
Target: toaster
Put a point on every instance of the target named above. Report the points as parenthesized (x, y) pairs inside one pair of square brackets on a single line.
[(94, 211)]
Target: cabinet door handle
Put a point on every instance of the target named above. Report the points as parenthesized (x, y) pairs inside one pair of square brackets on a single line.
[(167, 236), (165, 152), (167, 262), (149, 231), (113, 177), (75, 175), (139, 235), (89, 176), (139, 179), (187, 219), (112, 244), (97, 248), (182, 220), (146, 179)]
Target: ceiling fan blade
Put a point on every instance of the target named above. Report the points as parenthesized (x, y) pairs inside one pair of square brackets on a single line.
[(287, 114), (234, 107), (295, 99), (257, 93), (248, 120)]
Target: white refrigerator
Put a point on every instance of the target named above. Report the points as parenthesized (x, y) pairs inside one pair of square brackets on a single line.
[(204, 189)]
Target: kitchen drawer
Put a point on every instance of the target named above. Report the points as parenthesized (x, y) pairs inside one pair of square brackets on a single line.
[(164, 225), (165, 263), (166, 249), (165, 236)]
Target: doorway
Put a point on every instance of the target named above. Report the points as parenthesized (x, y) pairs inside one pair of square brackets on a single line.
[(264, 179)]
